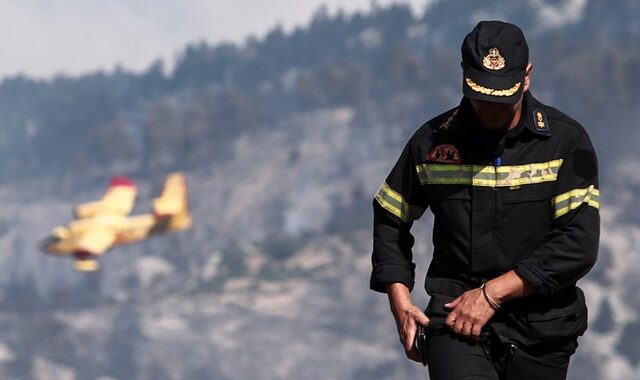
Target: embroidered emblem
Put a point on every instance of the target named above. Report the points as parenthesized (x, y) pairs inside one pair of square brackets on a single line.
[(445, 153), (493, 60), (540, 121), (492, 91), (449, 120)]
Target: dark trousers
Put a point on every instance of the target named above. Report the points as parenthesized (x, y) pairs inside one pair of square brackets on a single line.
[(452, 358)]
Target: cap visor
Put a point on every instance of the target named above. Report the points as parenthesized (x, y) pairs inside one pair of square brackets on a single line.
[(493, 88)]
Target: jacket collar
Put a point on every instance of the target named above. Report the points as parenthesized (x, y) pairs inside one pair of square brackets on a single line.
[(532, 118)]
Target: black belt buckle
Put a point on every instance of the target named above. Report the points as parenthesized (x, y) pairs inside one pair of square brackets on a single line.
[(420, 344)]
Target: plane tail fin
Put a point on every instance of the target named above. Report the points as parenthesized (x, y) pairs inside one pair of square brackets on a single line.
[(173, 202)]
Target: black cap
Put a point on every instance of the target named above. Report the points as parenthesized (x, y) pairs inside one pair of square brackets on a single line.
[(495, 56)]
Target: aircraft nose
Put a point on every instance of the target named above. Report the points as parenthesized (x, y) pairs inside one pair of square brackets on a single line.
[(48, 245)]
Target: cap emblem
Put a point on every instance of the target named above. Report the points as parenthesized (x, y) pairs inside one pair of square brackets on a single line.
[(493, 60)]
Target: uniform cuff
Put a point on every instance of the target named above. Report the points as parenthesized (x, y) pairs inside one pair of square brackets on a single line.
[(544, 285), (388, 274)]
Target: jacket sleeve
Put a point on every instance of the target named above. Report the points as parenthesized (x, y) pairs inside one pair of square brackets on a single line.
[(571, 246), (399, 201)]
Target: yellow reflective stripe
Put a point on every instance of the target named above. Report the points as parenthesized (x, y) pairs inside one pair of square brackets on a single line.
[(528, 174), (393, 202), (488, 176), (571, 200), (387, 190), (576, 193), (447, 174)]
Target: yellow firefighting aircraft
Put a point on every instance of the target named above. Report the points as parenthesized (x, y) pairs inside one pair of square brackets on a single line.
[(103, 224)]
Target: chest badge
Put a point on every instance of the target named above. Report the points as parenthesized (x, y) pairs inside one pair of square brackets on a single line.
[(445, 153), (540, 121)]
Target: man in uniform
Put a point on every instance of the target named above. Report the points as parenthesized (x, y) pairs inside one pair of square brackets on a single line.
[(512, 184)]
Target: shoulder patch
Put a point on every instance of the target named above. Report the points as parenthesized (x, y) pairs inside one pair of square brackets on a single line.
[(585, 163), (445, 153), (540, 121)]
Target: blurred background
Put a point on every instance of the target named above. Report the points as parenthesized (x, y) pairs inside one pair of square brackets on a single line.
[(286, 116)]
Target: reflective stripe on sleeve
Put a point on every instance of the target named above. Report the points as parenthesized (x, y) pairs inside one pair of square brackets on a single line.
[(393, 202), (489, 175), (571, 200)]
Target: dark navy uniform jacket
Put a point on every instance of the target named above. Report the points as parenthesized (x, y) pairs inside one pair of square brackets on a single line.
[(526, 200)]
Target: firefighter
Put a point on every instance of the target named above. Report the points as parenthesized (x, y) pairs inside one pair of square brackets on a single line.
[(513, 187)]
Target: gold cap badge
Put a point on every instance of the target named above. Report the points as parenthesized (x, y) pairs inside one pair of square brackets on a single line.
[(493, 60)]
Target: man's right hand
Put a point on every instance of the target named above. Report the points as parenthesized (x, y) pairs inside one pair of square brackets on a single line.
[(408, 316)]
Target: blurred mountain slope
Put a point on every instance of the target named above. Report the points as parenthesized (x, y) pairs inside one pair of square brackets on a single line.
[(284, 141)]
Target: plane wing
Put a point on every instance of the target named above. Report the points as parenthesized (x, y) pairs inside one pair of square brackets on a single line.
[(118, 200), (95, 240)]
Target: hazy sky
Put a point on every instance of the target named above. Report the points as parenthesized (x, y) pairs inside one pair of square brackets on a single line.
[(43, 37)]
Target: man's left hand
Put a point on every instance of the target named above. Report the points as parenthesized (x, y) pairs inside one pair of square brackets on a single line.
[(469, 313)]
